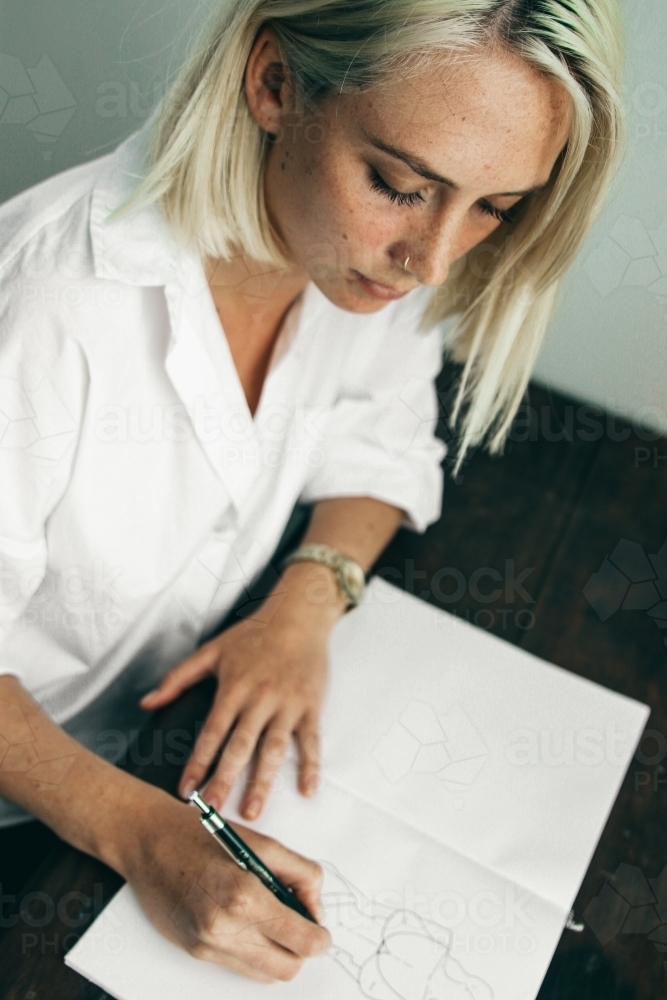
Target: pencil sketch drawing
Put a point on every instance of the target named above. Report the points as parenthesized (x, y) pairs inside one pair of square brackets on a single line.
[(393, 953), (448, 746)]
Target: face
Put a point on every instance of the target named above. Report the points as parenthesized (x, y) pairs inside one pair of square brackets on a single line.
[(427, 166)]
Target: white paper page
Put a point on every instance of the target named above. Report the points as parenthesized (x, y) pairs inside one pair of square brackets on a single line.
[(409, 919), (502, 756), (446, 740)]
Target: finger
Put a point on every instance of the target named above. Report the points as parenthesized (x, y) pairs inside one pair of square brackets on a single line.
[(219, 721), (238, 752), (234, 951), (270, 755), (293, 932), (216, 955), (262, 960), (187, 673), (240, 924), (301, 874), (308, 742)]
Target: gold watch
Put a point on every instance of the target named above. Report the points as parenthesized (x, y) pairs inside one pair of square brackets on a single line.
[(349, 574)]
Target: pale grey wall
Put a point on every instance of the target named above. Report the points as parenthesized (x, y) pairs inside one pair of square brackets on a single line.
[(79, 75), (93, 68)]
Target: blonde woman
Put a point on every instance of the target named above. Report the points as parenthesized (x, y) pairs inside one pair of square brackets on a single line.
[(238, 309)]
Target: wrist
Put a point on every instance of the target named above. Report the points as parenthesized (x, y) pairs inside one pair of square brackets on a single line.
[(143, 814), (349, 574), (103, 810), (311, 592)]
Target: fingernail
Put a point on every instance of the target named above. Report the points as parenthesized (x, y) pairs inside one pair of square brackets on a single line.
[(311, 785), (252, 809), (188, 787), (148, 696)]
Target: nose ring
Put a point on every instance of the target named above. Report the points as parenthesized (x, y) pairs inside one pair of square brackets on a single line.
[(406, 262)]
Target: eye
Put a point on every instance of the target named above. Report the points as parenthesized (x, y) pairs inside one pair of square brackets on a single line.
[(398, 197), (502, 214)]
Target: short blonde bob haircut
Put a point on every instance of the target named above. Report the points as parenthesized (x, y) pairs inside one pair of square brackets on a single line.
[(208, 156)]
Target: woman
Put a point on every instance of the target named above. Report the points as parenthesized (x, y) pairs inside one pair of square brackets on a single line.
[(237, 310)]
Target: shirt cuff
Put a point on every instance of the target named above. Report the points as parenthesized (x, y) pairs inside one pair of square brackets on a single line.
[(417, 491)]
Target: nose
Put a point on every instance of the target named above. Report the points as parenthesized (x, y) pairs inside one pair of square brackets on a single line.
[(435, 247)]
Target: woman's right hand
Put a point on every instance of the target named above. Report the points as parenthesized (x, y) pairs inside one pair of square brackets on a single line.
[(189, 887), (201, 900)]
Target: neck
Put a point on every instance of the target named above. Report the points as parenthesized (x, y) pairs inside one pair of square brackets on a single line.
[(258, 292)]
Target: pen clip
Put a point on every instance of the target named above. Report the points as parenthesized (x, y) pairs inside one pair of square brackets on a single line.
[(213, 828), (214, 823)]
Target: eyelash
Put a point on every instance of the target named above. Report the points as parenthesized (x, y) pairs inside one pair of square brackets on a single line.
[(412, 197), (502, 214), (400, 197)]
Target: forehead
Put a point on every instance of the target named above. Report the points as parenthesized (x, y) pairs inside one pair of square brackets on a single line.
[(482, 115)]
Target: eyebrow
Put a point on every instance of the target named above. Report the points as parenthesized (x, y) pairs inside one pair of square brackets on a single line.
[(420, 167)]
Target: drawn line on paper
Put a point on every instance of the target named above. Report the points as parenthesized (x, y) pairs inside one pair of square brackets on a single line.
[(393, 953), (419, 741)]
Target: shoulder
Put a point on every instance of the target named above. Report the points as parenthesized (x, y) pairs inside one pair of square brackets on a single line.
[(47, 272), (61, 228), (44, 215)]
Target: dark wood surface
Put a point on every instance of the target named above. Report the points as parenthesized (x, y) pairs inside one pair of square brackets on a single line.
[(571, 485)]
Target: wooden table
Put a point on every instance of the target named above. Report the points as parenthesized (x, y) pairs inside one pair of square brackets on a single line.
[(571, 485)]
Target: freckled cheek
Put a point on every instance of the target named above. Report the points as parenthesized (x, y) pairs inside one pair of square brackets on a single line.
[(365, 223), (337, 207), (333, 215)]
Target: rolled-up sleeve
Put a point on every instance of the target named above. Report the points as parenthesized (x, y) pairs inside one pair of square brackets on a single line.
[(380, 440)]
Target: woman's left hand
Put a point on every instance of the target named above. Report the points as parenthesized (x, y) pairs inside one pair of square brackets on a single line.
[(271, 670)]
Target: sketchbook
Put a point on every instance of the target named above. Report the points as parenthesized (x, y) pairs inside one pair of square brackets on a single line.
[(466, 785)]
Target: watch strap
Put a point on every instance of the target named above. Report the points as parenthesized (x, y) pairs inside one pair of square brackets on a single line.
[(326, 555)]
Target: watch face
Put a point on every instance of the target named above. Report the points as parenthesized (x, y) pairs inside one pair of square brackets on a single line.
[(354, 578)]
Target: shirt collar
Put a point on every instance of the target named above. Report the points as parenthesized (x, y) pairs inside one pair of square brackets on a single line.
[(138, 247)]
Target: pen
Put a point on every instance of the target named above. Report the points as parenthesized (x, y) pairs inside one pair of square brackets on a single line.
[(245, 857)]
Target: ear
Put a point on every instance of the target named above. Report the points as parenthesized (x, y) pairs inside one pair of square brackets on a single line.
[(267, 85)]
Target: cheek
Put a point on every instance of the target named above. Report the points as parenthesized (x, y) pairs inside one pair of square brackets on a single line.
[(351, 211)]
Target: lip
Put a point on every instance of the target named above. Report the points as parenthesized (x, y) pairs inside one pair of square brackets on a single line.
[(377, 290)]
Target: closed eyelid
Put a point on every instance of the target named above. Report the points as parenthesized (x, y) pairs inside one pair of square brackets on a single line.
[(417, 166), (412, 198), (378, 183)]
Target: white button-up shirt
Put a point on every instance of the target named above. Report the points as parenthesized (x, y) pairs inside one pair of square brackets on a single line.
[(139, 495)]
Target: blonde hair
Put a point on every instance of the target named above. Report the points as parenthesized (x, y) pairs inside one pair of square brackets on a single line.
[(208, 156)]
